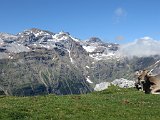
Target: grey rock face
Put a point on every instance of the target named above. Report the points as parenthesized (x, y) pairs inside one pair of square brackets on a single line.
[(41, 62), (123, 83), (102, 86), (42, 72)]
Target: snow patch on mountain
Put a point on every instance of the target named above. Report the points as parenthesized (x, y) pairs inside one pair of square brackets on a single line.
[(88, 80), (87, 67), (71, 59), (99, 56), (89, 48), (157, 62), (61, 36), (77, 40), (40, 33)]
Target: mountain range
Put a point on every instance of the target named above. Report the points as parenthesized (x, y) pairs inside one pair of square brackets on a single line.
[(37, 62)]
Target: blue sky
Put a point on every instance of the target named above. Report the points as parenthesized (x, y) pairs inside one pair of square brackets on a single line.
[(119, 21)]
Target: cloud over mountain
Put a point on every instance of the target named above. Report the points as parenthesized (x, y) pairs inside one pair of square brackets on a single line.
[(145, 46)]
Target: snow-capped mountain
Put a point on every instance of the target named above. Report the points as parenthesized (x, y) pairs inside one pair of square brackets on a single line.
[(30, 39), (99, 50), (38, 61), (35, 38)]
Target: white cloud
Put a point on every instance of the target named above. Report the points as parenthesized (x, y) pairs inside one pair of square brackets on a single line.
[(120, 13), (145, 46), (120, 37)]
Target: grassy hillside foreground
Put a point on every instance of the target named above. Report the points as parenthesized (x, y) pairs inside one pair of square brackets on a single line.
[(111, 104)]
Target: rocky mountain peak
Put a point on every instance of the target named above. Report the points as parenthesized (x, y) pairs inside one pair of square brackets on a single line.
[(35, 32), (7, 36), (94, 40)]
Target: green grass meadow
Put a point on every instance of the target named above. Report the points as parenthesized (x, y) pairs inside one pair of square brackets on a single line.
[(111, 104)]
